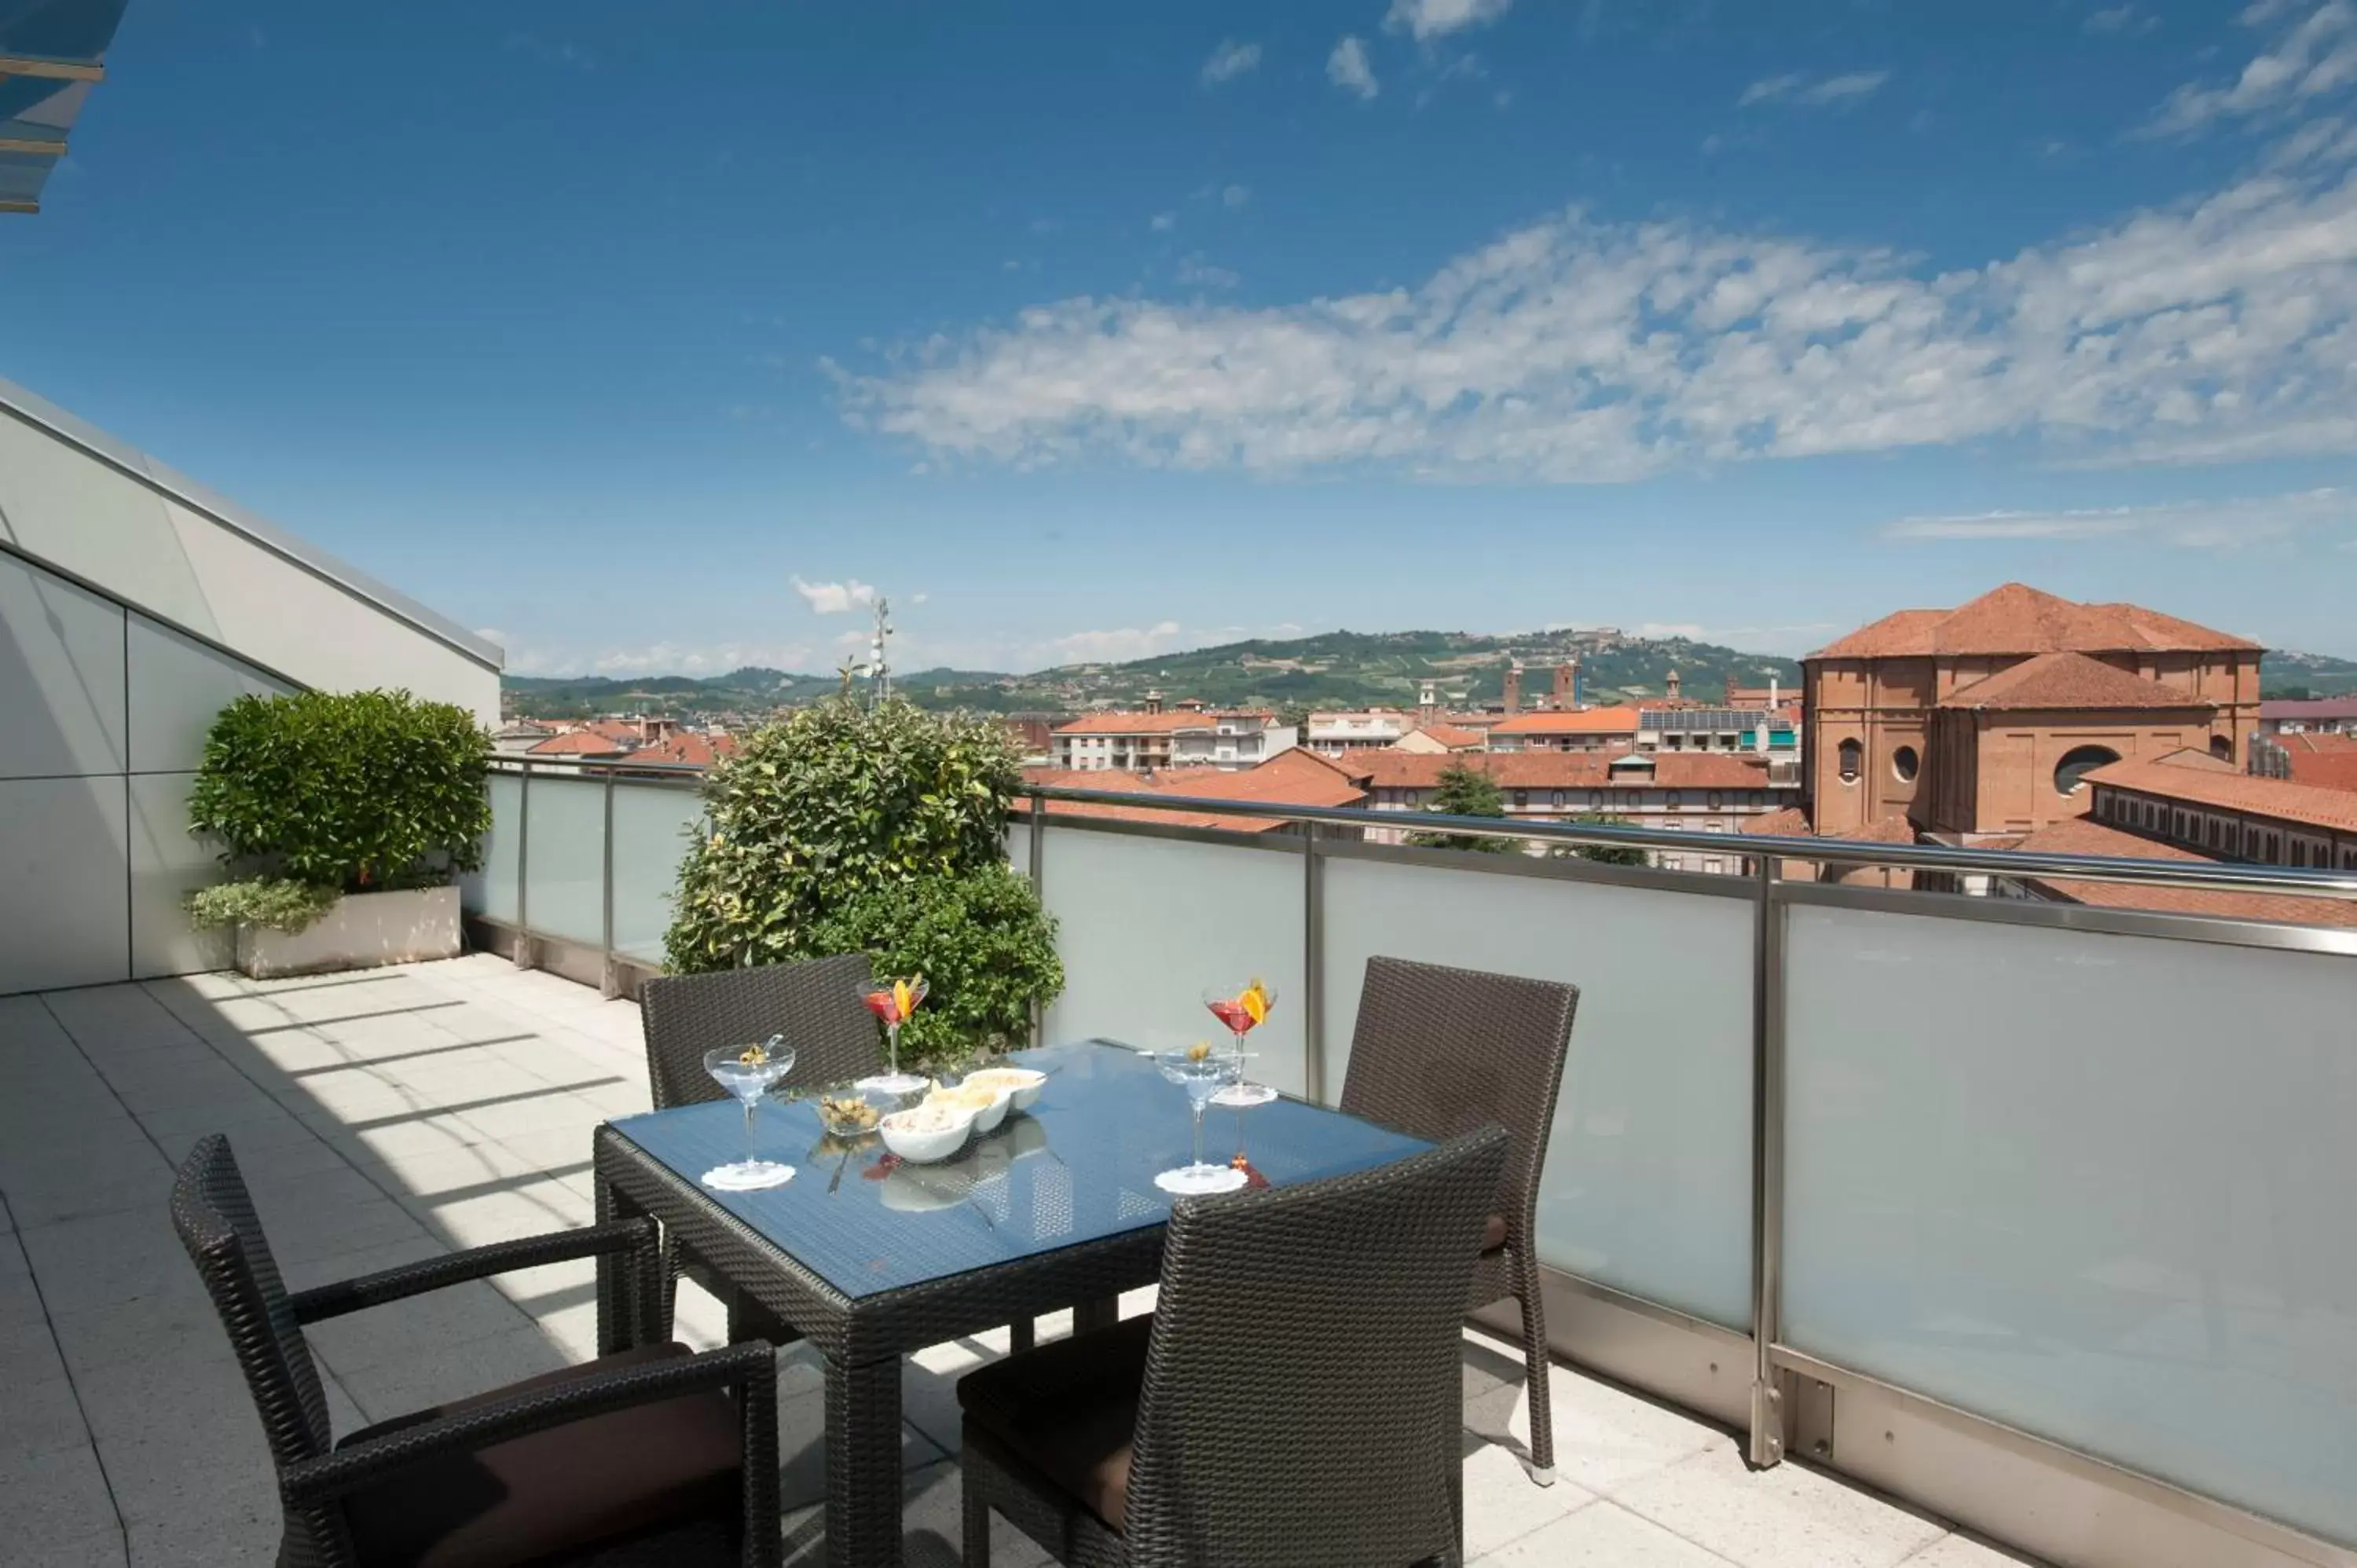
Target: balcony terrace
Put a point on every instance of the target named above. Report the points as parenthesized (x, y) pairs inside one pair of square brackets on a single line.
[(2019, 1218), (387, 1116)]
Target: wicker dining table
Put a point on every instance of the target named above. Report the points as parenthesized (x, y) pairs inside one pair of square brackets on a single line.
[(872, 1258)]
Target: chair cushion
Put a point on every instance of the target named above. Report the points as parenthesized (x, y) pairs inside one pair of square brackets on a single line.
[(1068, 1411), (605, 1478)]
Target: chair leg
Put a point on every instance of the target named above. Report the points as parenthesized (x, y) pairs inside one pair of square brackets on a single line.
[(1535, 1381), (977, 1527)]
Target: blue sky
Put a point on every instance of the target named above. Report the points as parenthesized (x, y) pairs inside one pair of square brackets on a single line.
[(644, 340)]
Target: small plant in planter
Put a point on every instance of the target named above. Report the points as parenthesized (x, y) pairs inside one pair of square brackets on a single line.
[(348, 816)]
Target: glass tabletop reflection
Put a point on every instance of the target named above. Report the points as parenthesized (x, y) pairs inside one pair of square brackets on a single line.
[(1078, 1166)]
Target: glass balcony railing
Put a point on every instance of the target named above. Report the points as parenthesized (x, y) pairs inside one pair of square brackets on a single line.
[(2069, 1177)]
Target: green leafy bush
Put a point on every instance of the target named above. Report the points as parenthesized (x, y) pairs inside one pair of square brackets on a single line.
[(983, 945), (843, 829), (827, 805), (279, 902), (1465, 792), (345, 790)]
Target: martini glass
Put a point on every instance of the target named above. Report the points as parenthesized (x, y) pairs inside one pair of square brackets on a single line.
[(1200, 1076), (1243, 1008), (747, 1072), (892, 1000)]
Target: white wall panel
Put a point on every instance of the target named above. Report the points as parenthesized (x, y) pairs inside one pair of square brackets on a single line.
[(178, 685), (64, 912), (62, 710), (166, 864)]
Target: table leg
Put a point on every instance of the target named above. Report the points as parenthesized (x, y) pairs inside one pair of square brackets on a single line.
[(863, 1464), (1020, 1336), (631, 1310), (1091, 1317)]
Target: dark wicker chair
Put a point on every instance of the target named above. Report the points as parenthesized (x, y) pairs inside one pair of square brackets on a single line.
[(638, 1457), (1296, 1398), (815, 1005), (1438, 1051)]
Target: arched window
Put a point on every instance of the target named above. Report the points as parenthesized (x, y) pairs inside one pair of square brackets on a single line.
[(2070, 774), (1595, 799), (1852, 758), (1903, 764), (2221, 747)]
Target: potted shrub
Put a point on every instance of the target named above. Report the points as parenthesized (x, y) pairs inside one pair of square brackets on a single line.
[(882, 830), (348, 816)]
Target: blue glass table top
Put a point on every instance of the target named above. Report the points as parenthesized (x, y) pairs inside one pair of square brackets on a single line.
[(1078, 1166)]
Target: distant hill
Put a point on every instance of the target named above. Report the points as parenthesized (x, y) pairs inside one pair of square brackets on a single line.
[(2288, 674), (1334, 669)]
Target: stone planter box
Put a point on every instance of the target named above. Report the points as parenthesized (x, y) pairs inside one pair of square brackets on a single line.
[(364, 930)]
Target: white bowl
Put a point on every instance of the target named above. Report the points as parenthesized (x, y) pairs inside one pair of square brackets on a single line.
[(920, 1144), (987, 1118), (1022, 1083)]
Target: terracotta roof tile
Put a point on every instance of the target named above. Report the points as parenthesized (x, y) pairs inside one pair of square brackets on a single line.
[(1449, 735), (1789, 823), (2199, 780), (2314, 742), (2313, 708), (1574, 721), (2017, 618), (2084, 835), (2069, 680), (580, 743)]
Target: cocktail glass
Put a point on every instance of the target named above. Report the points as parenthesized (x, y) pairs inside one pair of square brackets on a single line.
[(747, 1072), (1243, 1008), (892, 1000), (1201, 1074)]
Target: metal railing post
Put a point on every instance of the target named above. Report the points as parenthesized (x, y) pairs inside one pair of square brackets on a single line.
[(1038, 858), (1767, 1437), (1313, 970), (611, 984), (521, 955)]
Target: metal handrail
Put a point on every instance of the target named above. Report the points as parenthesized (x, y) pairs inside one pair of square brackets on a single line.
[(2203, 875), (515, 762)]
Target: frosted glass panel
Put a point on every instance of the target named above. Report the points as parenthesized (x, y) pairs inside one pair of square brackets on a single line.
[(650, 839), (2094, 1186), (1648, 1179), (492, 891), (1146, 923), (564, 859)]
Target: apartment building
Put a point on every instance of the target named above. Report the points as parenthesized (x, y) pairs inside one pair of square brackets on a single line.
[(1775, 731), (2309, 716), (1708, 795), (1567, 729), (1334, 734), (1156, 739), (2199, 802)]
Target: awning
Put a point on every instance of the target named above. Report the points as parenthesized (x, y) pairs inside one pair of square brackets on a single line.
[(52, 52)]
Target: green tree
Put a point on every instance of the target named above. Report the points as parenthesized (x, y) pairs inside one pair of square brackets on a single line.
[(1603, 854), (1465, 792)]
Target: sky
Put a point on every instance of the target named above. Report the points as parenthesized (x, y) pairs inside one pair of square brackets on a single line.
[(662, 340)]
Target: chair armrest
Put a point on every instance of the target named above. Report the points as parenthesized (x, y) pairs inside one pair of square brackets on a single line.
[(636, 1235), (751, 1369)]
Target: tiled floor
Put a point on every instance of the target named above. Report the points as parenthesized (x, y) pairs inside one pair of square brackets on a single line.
[(387, 1116)]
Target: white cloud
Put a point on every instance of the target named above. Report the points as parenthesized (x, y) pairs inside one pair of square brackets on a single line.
[(1576, 351), (2121, 20), (1423, 19), (1229, 61), (1194, 272), (1349, 69), (1163, 222), (1236, 196), (1112, 646), (918, 598), (2194, 525), (836, 598), (1832, 91), (2316, 56)]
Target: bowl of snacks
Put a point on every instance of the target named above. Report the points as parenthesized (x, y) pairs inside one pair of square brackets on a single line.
[(845, 1113), (927, 1133), (985, 1104), (1021, 1083)]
